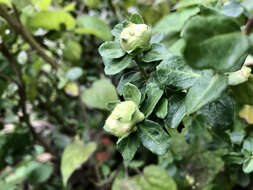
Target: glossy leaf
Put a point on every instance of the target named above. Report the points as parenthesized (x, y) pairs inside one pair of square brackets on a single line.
[(156, 53), (174, 21), (136, 19), (174, 72), (221, 49), (111, 50), (128, 146), (248, 165), (132, 93), (114, 66), (162, 108), (130, 77), (153, 137), (153, 95), (220, 113), (176, 110), (205, 90), (248, 145)]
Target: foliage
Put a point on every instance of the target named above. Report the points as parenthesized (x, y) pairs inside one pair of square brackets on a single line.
[(134, 94)]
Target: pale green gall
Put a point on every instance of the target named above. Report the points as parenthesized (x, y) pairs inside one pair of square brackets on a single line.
[(135, 36), (123, 118)]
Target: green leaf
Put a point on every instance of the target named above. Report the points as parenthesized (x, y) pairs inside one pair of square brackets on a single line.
[(74, 73), (114, 66), (128, 146), (156, 53), (7, 2), (116, 31), (132, 77), (248, 5), (248, 145), (236, 137), (187, 3), (243, 93), (220, 49), (232, 9), (136, 19), (248, 165), (158, 178), (111, 50), (40, 174), (157, 38), (72, 51), (205, 90), (174, 72), (74, 155), (176, 110), (44, 4), (162, 108), (70, 7), (178, 47), (56, 18), (219, 114), (153, 94), (100, 94), (132, 93), (153, 137), (175, 21), (93, 25)]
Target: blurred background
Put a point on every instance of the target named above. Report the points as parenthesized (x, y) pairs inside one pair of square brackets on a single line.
[(52, 117)]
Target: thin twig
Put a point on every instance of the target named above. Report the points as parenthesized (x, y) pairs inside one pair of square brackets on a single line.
[(22, 93), (85, 115), (112, 7), (9, 79), (18, 27)]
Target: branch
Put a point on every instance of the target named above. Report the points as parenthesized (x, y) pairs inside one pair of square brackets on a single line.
[(22, 93), (18, 27), (85, 115), (249, 26), (112, 7)]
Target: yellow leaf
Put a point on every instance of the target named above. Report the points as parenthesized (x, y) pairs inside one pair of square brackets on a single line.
[(247, 113), (71, 89)]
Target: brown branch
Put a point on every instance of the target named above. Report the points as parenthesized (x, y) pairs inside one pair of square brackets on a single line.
[(18, 27), (249, 26), (22, 93)]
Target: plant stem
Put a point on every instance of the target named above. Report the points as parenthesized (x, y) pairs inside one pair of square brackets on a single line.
[(18, 27), (142, 70), (85, 115), (249, 26), (112, 7), (22, 102)]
